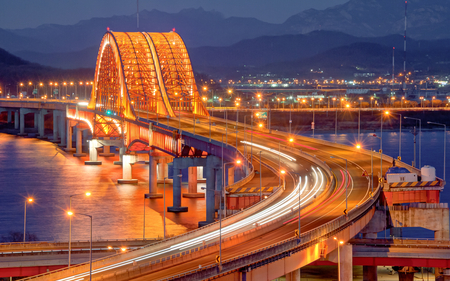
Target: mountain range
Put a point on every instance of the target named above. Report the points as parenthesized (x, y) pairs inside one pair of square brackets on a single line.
[(427, 19), (225, 45)]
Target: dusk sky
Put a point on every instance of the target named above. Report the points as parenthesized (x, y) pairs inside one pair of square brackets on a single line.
[(32, 13)]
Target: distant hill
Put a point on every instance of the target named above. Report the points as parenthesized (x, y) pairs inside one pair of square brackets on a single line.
[(257, 52), (14, 70), (362, 57), (427, 20)]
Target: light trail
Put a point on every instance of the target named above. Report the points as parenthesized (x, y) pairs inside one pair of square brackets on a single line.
[(274, 151), (284, 206)]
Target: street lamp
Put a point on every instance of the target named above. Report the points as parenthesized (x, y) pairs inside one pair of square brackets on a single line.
[(420, 140), (70, 213), (87, 194), (445, 139), (164, 213), (400, 138), (381, 153), (359, 118), (29, 201), (345, 181), (339, 258), (299, 200)]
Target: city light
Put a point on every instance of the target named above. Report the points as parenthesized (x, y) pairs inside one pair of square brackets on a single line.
[(70, 213), (358, 146)]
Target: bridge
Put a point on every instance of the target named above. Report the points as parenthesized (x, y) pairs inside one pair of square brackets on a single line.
[(145, 102)]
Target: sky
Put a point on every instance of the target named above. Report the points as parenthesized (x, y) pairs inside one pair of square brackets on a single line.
[(15, 14)]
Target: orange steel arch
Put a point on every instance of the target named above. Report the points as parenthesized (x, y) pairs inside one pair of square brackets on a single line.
[(143, 71)]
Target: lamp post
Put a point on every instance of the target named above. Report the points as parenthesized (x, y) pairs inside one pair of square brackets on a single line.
[(260, 177), (313, 123), (28, 200), (339, 257), (299, 200), (381, 153), (70, 213), (359, 119), (220, 229), (70, 222), (420, 138), (164, 212), (400, 138), (345, 180), (445, 139)]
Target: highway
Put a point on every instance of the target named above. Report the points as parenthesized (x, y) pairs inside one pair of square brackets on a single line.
[(311, 182)]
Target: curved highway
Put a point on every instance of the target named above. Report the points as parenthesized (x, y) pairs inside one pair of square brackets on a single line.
[(302, 175)]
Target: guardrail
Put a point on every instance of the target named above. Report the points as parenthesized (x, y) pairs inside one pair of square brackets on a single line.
[(83, 267), (286, 247)]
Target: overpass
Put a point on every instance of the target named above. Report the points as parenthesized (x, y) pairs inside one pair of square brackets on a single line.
[(134, 106)]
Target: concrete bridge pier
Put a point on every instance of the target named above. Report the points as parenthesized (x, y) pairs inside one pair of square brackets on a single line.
[(55, 126), (36, 120), (346, 262), (9, 120), (41, 123), (93, 157), (106, 150), (79, 142), (177, 166), (22, 113), (122, 151), (192, 184), (152, 177), (127, 175), (62, 128), (212, 171), (70, 125), (16, 119), (162, 168)]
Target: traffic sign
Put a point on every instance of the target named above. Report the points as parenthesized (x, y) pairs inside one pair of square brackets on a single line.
[(399, 158), (217, 259), (296, 233), (261, 114), (364, 174), (312, 125), (345, 211)]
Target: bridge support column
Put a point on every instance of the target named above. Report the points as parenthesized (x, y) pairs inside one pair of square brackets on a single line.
[(106, 151), (370, 273), (346, 262), (192, 184), (406, 274), (62, 128), (177, 163), (152, 177), (9, 116), (295, 275), (230, 175), (162, 168), (41, 126), (22, 122), (127, 177), (36, 120), (122, 151), (69, 136), (93, 158), (16, 119), (55, 126), (79, 143), (210, 196), (218, 187)]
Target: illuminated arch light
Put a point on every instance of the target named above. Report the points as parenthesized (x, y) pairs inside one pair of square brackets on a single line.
[(124, 74)]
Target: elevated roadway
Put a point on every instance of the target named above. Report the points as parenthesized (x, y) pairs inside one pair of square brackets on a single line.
[(305, 174)]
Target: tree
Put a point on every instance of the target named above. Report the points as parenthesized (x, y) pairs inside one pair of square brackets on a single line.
[(16, 236)]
